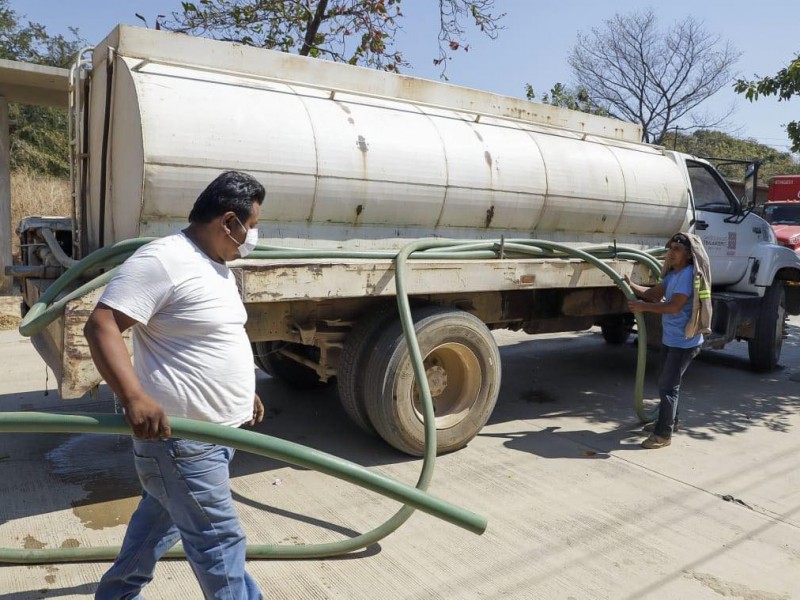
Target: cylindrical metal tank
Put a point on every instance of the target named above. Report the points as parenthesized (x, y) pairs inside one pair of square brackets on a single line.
[(356, 157)]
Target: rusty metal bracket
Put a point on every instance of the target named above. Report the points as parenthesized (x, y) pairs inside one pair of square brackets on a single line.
[(307, 333)]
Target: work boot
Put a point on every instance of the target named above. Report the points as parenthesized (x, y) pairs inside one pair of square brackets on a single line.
[(656, 441)]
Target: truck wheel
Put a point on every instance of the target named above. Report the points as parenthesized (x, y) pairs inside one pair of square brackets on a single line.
[(291, 372), (765, 347), (351, 374), (463, 365), (616, 331)]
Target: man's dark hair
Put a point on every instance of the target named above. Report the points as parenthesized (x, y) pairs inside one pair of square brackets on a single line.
[(232, 190)]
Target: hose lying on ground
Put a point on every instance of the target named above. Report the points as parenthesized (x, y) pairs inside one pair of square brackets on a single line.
[(48, 308), (248, 441)]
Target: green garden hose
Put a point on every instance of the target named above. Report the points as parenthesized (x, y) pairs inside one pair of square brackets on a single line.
[(248, 441), (47, 309), (43, 312)]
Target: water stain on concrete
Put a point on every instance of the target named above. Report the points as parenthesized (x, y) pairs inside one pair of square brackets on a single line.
[(99, 515), (103, 466), (31, 543), (51, 574), (70, 543)]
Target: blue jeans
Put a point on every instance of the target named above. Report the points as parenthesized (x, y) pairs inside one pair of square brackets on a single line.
[(186, 497), (674, 362)]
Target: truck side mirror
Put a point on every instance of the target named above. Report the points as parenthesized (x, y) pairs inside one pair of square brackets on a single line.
[(750, 178)]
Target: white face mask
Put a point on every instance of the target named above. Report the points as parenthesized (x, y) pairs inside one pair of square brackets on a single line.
[(250, 240)]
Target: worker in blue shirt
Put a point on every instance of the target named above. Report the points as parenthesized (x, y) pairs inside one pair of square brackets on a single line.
[(672, 299)]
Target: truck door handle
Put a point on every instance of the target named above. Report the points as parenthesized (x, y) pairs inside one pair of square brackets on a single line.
[(700, 225)]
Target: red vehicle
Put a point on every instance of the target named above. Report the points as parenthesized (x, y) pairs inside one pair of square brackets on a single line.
[(782, 209)]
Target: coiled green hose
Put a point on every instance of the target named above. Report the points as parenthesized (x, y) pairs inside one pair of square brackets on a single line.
[(47, 309), (248, 441)]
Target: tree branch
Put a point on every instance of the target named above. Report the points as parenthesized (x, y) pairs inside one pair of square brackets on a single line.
[(313, 27)]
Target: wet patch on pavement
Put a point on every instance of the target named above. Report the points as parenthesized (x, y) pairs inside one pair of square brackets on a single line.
[(103, 466)]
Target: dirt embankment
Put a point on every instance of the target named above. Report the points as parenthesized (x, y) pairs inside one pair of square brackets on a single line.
[(9, 312)]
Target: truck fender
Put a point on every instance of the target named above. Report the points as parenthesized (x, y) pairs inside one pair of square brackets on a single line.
[(778, 263)]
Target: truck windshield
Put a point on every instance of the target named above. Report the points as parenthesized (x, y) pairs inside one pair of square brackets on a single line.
[(782, 214)]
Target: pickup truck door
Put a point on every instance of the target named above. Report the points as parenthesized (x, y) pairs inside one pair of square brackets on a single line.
[(728, 240)]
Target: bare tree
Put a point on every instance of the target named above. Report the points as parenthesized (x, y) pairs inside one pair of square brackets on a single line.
[(639, 74), (354, 31)]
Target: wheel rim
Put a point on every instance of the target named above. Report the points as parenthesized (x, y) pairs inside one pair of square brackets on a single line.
[(454, 376)]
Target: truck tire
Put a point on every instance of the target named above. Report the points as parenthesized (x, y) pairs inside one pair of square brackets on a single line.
[(765, 348), (351, 374), (616, 331), (463, 365), (281, 367)]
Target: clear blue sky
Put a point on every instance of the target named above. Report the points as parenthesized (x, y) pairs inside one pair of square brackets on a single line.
[(534, 46)]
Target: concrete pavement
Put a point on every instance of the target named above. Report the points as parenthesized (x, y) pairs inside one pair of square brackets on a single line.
[(576, 509)]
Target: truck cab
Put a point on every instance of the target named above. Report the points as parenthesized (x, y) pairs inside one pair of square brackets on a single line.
[(717, 222), (753, 276)]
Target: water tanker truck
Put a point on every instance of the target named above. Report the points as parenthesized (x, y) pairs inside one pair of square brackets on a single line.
[(366, 160)]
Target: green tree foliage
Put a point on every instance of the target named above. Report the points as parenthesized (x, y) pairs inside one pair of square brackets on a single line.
[(39, 139), (573, 99), (656, 79), (785, 84), (354, 31), (38, 134), (721, 145)]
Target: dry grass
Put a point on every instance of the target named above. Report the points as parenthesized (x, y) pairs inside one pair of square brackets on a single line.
[(37, 195), (40, 195)]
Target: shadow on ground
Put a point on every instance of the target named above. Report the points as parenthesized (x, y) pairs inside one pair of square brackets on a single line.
[(550, 379), (50, 592), (555, 384)]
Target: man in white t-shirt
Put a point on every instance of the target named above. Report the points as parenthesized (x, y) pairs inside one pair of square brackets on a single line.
[(192, 359)]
